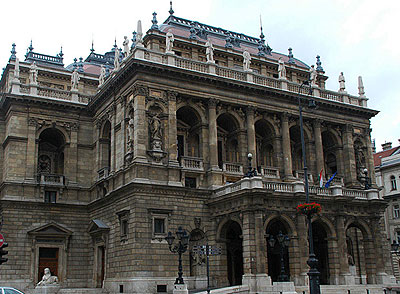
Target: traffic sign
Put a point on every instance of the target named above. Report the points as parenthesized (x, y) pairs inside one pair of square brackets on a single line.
[(2, 240)]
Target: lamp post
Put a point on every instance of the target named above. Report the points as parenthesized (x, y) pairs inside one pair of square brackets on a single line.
[(181, 247), (283, 241), (252, 171), (367, 179), (312, 261)]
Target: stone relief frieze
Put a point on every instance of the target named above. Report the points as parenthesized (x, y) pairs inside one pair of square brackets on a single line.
[(41, 123)]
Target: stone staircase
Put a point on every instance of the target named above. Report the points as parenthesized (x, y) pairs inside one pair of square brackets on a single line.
[(83, 291)]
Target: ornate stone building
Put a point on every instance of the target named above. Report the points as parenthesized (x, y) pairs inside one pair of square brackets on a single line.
[(100, 159)]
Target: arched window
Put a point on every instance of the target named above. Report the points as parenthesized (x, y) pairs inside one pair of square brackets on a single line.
[(393, 182), (51, 152)]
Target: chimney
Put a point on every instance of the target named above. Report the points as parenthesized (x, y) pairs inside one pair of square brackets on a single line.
[(374, 146), (387, 146)]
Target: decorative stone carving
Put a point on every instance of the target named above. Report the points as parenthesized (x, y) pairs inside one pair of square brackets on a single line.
[(281, 69), (16, 70), (139, 35), (169, 42), (209, 52), (102, 76), (116, 60), (125, 43), (361, 90), (140, 89), (48, 279), (197, 222), (172, 95), (313, 76), (246, 61)]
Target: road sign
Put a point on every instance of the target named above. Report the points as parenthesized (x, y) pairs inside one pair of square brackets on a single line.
[(1, 240)]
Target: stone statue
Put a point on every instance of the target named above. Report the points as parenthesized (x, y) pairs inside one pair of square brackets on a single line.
[(342, 87), (281, 69), (102, 76), (156, 128), (209, 52), (169, 42), (48, 279), (16, 69), (350, 259), (246, 60), (74, 80), (33, 73), (139, 35), (361, 90), (313, 76), (126, 46), (130, 129), (116, 60)]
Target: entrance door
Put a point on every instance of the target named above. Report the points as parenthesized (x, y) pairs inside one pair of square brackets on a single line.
[(234, 253), (100, 266), (48, 258), (321, 252)]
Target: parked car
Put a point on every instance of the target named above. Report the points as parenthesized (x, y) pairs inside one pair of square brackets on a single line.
[(8, 290)]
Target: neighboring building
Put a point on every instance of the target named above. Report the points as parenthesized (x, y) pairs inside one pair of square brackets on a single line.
[(387, 171), (94, 176)]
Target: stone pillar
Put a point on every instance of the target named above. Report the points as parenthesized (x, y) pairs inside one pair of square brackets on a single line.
[(248, 243), (112, 139), (287, 156), (349, 163), (370, 156), (213, 136), (140, 123), (345, 277), (98, 129), (260, 243), (379, 243), (319, 153), (31, 154), (251, 135), (172, 129), (302, 232), (71, 158)]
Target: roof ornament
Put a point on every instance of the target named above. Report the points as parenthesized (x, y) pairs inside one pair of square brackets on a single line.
[(75, 65), (154, 21), (228, 40), (125, 43), (193, 31), (133, 40), (92, 49), (319, 67), (107, 69), (115, 43), (262, 48), (171, 11), (30, 48), (139, 35), (291, 58), (80, 65), (61, 54), (361, 90), (342, 85), (13, 52)]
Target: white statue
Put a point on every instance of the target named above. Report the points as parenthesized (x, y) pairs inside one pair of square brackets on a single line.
[(126, 46), (361, 90), (209, 52), (116, 60), (313, 76), (342, 87), (246, 60), (16, 69), (169, 42), (281, 69), (74, 80), (48, 279), (33, 73), (139, 35), (102, 76)]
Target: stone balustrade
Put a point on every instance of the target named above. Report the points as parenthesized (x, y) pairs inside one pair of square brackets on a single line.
[(192, 163), (103, 172), (233, 168), (299, 174), (51, 179), (270, 172)]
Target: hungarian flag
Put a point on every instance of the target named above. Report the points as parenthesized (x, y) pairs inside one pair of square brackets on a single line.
[(321, 179)]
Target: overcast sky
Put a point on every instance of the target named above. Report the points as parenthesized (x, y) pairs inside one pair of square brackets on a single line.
[(358, 37)]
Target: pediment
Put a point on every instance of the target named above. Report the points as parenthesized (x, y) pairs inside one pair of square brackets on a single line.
[(97, 226), (51, 230)]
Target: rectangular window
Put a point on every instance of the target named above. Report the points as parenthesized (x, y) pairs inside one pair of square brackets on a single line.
[(50, 196), (393, 183), (397, 234), (190, 182), (123, 217), (159, 225), (396, 211), (159, 218)]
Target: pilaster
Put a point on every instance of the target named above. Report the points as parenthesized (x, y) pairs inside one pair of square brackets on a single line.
[(251, 134), (140, 125), (349, 162), (212, 131), (318, 145), (287, 156), (172, 130)]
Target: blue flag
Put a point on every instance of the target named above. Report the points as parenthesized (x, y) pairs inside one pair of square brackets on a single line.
[(330, 180)]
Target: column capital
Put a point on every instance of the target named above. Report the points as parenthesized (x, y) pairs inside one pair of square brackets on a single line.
[(250, 110), (140, 89), (285, 116), (212, 102), (172, 95), (317, 122)]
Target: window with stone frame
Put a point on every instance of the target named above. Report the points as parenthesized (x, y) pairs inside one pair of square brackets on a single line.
[(50, 196), (397, 236), (159, 223), (396, 211), (123, 217), (393, 182)]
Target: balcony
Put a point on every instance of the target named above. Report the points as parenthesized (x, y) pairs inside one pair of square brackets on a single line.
[(103, 172), (269, 172), (51, 180), (233, 168), (191, 163), (299, 174)]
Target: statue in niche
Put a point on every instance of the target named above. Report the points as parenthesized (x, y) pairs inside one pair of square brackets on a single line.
[(156, 128), (75, 80), (130, 133), (48, 279), (281, 69), (33, 73), (169, 42), (313, 76), (125, 43), (209, 52), (246, 60)]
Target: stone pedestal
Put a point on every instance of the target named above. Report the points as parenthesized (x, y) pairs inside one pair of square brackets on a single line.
[(33, 89), (284, 287), (180, 289), (50, 289), (257, 283), (15, 88), (74, 95)]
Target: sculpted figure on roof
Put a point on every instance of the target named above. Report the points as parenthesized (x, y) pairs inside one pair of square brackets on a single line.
[(116, 60), (74, 79), (313, 76), (169, 42), (342, 87), (209, 52), (246, 60), (125, 43), (281, 69), (33, 72), (102, 76)]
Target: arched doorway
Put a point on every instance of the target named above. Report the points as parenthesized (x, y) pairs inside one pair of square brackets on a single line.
[(273, 252), (232, 235), (321, 251)]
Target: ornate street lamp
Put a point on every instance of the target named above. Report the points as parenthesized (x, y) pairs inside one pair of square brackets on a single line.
[(312, 261), (181, 247), (283, 241), (367, 180), (252, 171)]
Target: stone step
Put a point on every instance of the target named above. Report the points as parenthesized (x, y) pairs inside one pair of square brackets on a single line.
[(83, 291)]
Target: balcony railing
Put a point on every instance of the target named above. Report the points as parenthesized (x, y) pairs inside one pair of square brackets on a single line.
[(51, 179), (103, 172), (192, 163), (270, 172), (299, 174), (233, 168)]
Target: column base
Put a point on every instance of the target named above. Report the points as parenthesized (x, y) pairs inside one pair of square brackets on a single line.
[(347, 279), (257, 283), (180, 289), (284, 287)]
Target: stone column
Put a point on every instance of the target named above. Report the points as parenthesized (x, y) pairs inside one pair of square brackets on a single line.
[(370, 156), (71, 160), (213, 136), (251, 134), (112, 139), (31, 154), (287, 156), (140, 123), (172, 129), (349, 163), (302, 233), (344, 270), (319, 153), (260, 243), (248, 243)]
